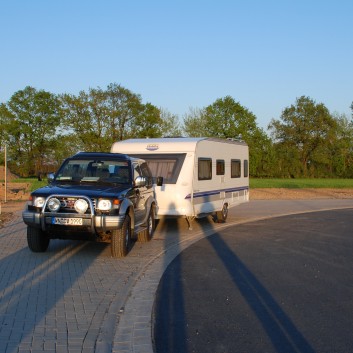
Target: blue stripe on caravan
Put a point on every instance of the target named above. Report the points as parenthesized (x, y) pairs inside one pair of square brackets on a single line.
[(214, 192)]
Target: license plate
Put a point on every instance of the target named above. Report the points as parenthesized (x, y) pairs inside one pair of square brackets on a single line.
[(67, 221)]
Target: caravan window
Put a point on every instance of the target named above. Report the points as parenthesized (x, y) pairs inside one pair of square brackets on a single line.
[(205, 168), (235, 168), (246, 168), (167, 166), (220, 167)]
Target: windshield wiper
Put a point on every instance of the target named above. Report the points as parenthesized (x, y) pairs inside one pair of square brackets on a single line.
[(90, 179)]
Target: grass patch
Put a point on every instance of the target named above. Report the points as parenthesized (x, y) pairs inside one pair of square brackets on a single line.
[(255, 183), (34, 182), (38, 184), (302, 183)]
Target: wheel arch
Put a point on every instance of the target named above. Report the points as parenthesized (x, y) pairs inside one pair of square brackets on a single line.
[(127, 207)]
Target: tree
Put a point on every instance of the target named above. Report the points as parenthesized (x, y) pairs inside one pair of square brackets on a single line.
[(171, 125), (100, 117), (148, 123), (226, 118), (30, 118), (124, 107), (194, 124), (86, 116), (342, 152), (304, 133), (3, 132)]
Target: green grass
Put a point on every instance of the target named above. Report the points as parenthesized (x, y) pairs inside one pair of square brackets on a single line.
[(254, 183), (34, 183), (272, 183), (301, 183)]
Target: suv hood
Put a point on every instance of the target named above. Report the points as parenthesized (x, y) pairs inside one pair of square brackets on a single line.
[(91, 191)]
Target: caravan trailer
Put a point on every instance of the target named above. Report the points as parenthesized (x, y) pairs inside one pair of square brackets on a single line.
[(201, 176)]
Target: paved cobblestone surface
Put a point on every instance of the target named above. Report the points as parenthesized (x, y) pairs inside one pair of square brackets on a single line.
[(76, 298)]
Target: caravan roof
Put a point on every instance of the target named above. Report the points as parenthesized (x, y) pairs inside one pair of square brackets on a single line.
[(169, 144)]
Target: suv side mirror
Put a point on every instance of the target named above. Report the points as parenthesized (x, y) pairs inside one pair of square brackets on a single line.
[(159, 181), (50, 177), (140, 181)]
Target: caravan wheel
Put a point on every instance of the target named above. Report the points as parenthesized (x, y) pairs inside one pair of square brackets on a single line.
[(221, 216)]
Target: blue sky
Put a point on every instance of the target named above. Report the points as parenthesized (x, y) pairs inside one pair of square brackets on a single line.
[(183, 54)]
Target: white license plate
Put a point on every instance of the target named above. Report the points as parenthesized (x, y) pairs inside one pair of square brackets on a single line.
[(67, 221)]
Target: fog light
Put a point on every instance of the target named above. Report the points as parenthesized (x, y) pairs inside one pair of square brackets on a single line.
[(81, 206), (54, 204)]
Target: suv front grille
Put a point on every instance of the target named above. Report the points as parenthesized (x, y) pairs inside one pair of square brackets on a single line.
[(67, 204)]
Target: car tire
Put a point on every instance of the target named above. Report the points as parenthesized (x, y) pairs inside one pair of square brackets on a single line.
[(37, 240), (121, 239), (221, 216), (146, 235)]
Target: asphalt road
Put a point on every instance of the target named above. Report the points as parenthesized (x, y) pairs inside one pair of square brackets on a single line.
[(76, 298), (278, 285)]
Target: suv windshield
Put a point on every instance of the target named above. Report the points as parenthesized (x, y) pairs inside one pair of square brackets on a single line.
[(89, 170)]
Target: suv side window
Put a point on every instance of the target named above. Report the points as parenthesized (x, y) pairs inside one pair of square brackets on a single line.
[(137, 171), (146, 173)]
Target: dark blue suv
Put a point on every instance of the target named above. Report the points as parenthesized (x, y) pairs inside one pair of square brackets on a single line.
[(94, 196)]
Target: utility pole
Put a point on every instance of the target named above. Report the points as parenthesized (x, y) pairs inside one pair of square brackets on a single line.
[(5, 174), (5, 184)]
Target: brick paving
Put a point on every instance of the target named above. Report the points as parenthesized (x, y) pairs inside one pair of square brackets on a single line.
[(60, 300), (76, 298)]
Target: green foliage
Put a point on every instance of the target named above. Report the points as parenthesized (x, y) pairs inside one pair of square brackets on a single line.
[(171, 125), (86, 115), (301, 183), (100, 117), (306, 132), (309, 141), (226, 118), (194, 124), (29, 122), (34, 183), (148, 122), (342, 151), (41, 129)]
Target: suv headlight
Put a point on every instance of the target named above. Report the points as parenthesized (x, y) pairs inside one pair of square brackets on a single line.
[(38, 201), (107, 205), (104, 205)]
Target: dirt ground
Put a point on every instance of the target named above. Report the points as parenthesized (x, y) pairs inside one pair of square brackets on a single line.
[(300, 194), (17, 196)]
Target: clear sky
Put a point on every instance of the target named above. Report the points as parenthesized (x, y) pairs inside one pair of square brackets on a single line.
[(183, 54)]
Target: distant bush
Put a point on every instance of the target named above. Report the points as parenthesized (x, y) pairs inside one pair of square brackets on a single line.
[(301, 183)]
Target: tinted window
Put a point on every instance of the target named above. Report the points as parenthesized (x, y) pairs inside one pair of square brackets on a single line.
[(220, 167), (167, 166), (146, 173), (246, 168), (235, 168), (91, 170), (205, 169)]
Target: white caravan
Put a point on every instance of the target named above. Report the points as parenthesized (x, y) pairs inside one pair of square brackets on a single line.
[(201, 176)]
